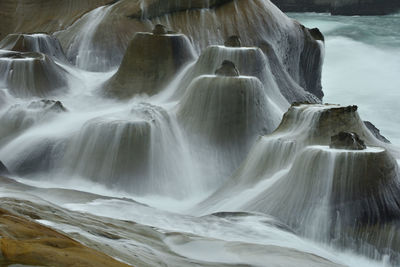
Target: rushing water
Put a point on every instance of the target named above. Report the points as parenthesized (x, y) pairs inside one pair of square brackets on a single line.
[(184, 177), (362, 65)]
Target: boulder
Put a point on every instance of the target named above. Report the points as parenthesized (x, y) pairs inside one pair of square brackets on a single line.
[(349, 141), (227, 68), (233, 41), (160, 29)]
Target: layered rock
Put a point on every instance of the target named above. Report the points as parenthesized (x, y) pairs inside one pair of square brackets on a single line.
[(38, 42), (340, 7), (150, 62), (27, 74)]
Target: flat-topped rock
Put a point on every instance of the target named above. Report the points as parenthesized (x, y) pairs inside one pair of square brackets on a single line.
[(150, 62)]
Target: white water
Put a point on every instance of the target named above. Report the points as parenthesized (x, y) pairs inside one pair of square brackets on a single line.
[(362, 66), (141, 149)]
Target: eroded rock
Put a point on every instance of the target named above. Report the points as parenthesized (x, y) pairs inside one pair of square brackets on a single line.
[(345, 140)]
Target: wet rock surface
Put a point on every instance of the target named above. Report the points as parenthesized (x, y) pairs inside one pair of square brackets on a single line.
[(345, 140), (3, 169), (233, 41), (227, 68)]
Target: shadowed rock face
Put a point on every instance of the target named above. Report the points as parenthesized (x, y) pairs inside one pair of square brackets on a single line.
[(3, 169), (41, 43), (150, 62), (350, 141), (340, 7), (233, 41), (42, 15)]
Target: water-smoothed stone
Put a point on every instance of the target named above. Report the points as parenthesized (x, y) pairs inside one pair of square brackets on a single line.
[(150, 62), (27, 74), (28, 243), (233, 41), (160, 29), (227, 68), (37, 42), (345, 140)]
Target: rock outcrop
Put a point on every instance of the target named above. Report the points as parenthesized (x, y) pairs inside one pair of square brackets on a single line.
[(150, 62), (25, 242), (233, 41), (340, 7)]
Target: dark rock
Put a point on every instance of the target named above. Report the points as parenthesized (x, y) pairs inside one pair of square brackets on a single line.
[(340, 7), (160, 29), (376, 132), (227, 68), (3, 169), (316, 34), (345, 140), (52, 105), (233, 41)]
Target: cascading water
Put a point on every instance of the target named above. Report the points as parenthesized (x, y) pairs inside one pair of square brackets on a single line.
[(190, 152)]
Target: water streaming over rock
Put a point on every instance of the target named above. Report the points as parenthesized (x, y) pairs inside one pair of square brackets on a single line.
[(190, 153)]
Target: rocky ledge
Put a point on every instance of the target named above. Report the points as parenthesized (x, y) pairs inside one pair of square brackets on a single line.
[(26, 242)]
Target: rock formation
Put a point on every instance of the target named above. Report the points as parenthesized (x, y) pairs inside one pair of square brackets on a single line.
[(28, 74), (43, 15), (25, 242), (150, 62), (349, 141), (294, 55), (340, 7), (38, 42)]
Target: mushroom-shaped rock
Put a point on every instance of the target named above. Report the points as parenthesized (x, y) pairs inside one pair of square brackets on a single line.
[(150, 62), (228, 111), (160, 29), (38, 42), (227, 68), (233, 41), (345, 140), (28, 74)]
